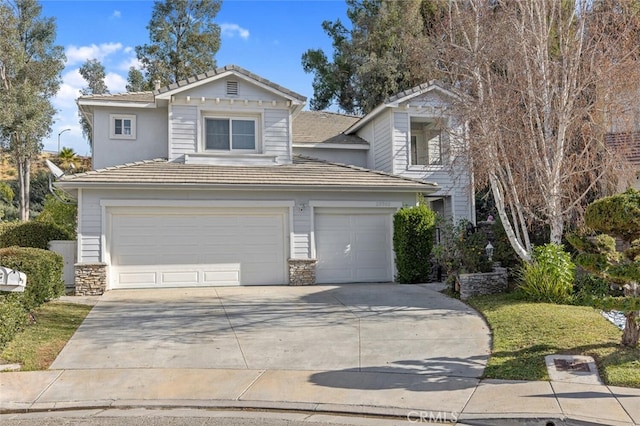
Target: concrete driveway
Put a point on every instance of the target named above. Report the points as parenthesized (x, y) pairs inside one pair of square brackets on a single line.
[(378, 328)]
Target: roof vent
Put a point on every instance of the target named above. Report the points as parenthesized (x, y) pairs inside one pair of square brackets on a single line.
[(232, 88)]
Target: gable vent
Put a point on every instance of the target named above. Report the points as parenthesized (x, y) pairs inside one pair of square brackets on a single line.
[(232, 88)]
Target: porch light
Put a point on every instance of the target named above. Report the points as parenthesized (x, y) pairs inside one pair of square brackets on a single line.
[(489, 250)]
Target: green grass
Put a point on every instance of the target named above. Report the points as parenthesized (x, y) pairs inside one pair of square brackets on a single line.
[(524, 332), (38, 345)]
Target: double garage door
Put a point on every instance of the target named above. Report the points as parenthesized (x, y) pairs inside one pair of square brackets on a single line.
[(179, 247)]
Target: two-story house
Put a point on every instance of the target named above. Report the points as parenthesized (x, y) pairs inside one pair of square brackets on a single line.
[(222, 179)]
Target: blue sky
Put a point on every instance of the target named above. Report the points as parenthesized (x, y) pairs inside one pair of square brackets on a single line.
[(266, 37)]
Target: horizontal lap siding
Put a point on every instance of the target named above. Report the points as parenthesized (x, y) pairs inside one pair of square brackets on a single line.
[(183, 130), (301, 240), (276, 134), (382, 144), (90, 225), (400, 138)]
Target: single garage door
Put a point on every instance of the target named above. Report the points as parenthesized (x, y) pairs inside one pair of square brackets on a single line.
[(353, 245), (179, 247)]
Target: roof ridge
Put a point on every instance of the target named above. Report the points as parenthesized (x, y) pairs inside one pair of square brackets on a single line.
[(364, 169), (333, 113), (223, 69), (140, 92)]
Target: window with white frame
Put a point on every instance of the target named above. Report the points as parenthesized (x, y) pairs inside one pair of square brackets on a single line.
[(122, 126), (230, 134), (426, 143)]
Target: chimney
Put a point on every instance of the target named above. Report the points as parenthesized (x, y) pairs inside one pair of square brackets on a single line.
[(156, 84)]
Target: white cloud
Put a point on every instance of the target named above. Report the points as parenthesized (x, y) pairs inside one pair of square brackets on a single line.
[(115, 82), (128, 63), (116, 14), (79, 54), (232, 30)]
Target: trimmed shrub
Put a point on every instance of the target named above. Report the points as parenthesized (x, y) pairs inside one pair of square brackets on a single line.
[(43, 269), (13, 317), (33, 234), (549, 276), (413, 238)]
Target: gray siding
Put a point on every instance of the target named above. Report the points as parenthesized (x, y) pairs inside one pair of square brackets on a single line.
[(89, 227), (276, 134), (90, 220), (380, 132), (151, 137), (301, 236), (183, 127), (354, 157), (400, 141)]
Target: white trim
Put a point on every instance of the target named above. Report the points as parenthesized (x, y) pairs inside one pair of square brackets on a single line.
[(384, 207), (432, 87), (346, 205), (117, 104), (109, 207), (357, 204), (216, 115), (196, 203), (79, 256), (359, 146), (168, 94), (122, 117)]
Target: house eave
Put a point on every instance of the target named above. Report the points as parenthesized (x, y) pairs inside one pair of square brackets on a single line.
[(168, 94), (427, 188), (331, 145)]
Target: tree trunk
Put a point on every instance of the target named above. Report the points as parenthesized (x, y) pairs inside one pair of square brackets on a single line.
[(24, 168), (631, 333)]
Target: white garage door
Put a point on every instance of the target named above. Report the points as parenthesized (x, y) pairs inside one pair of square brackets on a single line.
[(165, 247), (353, 246)]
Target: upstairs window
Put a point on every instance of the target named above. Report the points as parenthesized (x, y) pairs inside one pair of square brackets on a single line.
[(122, 126), (230, 134), (426, 144)]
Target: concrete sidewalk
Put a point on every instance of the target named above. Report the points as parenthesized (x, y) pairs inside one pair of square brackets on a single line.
[(404, 397)]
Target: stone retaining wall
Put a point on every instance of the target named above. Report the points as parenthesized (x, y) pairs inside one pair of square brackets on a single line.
[(91, 279), (485, 283), (302, 271)]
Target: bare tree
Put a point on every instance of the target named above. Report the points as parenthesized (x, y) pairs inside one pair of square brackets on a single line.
[(536, 81)]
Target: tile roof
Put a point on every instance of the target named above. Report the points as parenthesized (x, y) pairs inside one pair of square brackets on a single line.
[(414, 90), (324, 127), (628, 144), (303, 173), (122, 97), (150, 96), (227, 68)]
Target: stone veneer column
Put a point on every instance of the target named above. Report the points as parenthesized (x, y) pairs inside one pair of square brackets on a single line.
[(91, 279), (302, 271)]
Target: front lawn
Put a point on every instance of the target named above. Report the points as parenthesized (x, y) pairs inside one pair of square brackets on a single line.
[(524, 332), (38, 345)]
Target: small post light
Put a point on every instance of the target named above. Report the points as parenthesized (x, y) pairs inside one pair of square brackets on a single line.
[(489, 250)]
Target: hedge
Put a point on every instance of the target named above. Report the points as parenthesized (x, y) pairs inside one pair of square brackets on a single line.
[(413, 238), (43, 269), (13, 317), (33, 234)]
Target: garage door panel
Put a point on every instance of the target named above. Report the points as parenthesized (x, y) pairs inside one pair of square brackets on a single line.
[(353, 247), (166, 248)]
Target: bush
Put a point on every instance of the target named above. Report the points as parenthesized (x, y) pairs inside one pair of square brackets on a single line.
[(549, 276), (413, 237), (60, 213), (13, 317), (461, 249), (43, 269), (33, 234)]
